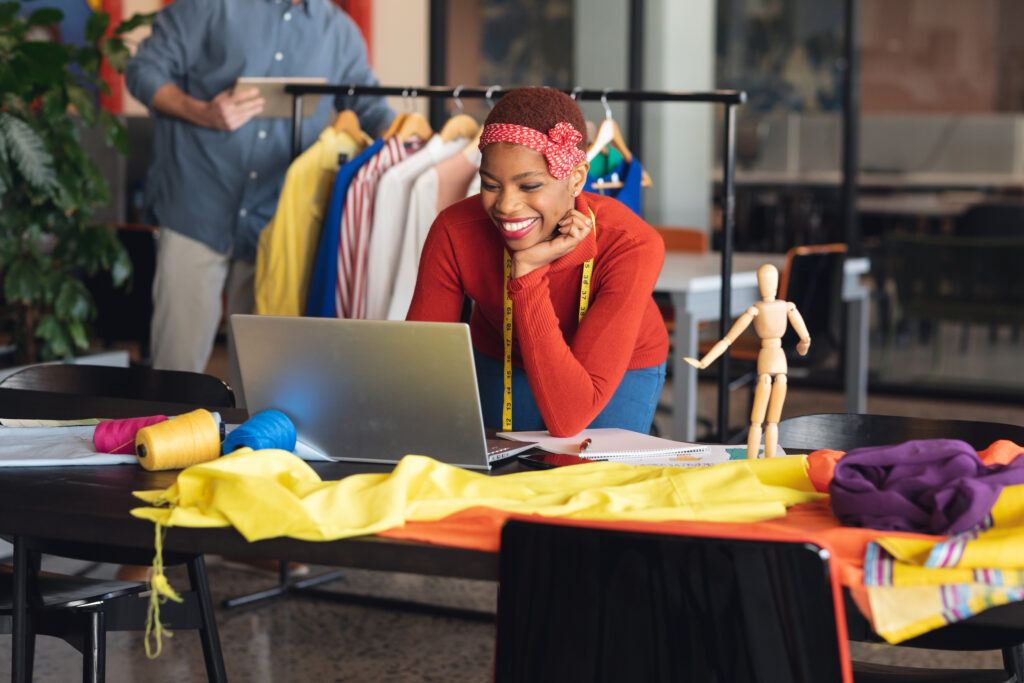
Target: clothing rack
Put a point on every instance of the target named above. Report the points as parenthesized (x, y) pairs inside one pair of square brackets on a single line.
[(730, 99)]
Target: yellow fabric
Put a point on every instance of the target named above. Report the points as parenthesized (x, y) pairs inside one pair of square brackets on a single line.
[(287, 247), (985, 569), (270, 493), (1000, 547), (902, 612)]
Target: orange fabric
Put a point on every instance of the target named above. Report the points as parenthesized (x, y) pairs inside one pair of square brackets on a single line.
[(820, 466), (1001, 452)]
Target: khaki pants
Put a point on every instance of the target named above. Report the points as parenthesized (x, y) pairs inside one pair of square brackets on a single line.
[(190, 279)]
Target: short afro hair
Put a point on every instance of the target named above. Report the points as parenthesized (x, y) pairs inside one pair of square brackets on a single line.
[(539, 108)]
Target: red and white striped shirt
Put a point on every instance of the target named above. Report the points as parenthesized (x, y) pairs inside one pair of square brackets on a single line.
[(356, 222)]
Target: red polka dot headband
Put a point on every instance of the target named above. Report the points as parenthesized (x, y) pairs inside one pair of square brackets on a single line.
[(558, 146)]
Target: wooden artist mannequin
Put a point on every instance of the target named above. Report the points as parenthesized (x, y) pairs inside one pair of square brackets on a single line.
[(769, 317)]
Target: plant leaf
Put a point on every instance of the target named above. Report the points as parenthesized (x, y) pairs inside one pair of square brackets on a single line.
[(116, 53), (122, 269), (22, 282), (96, 25), (46, 61), (82, 100), (78, 335), (8, 10), (89, 60), (117, 134), (45, 17), (72, 302), (29, 153), (135, 21)]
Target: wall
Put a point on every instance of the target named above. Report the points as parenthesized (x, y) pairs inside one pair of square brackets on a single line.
[(679, 55), (401, 30)]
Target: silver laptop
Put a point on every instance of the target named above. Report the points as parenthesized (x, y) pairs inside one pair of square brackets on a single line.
[(368, 390)]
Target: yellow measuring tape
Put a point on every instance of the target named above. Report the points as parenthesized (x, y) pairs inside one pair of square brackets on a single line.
[(588, 271)]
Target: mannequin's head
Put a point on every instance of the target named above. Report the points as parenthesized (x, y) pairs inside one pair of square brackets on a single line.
[(768, 281)]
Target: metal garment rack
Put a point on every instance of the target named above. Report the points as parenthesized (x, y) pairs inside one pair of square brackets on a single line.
[(729, 99)]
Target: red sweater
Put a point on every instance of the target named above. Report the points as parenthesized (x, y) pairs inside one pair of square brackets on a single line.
[(573, 369)]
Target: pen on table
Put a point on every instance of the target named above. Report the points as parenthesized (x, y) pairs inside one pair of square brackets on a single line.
[(584, 446)]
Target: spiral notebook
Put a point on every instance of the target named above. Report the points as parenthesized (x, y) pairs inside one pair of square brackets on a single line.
[(608, 444)]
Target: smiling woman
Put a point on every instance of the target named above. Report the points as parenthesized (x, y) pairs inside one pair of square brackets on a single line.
[(565, 332)]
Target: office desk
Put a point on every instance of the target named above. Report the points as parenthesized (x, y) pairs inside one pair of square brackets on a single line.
[(694, 283)]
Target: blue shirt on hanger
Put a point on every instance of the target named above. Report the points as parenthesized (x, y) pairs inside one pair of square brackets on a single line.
[(631, 192), (321, 290)]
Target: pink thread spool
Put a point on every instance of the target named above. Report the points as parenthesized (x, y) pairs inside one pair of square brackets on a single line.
[(118, 436)]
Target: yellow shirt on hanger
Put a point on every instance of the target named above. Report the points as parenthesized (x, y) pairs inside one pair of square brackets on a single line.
[(287, 248)]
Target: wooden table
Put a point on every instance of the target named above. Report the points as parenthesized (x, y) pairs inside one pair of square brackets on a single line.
[(694, 283)]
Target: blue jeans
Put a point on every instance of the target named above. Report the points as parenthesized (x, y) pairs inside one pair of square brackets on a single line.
[(631, 406)]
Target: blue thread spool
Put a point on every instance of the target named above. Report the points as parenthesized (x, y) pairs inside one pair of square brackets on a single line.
[(266, 429)]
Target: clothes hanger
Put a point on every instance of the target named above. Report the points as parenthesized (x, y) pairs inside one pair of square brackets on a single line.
[(461, 124), (413, 124), (348, 122), (608, 133), (470, 151)]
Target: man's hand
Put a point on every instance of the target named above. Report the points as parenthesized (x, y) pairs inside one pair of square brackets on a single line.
[(803, 347), (696, 363), (571, 230), (225, 111), (231, 111)]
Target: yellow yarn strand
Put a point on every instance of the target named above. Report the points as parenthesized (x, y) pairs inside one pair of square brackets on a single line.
[(588, 270), (184, 440), (159, 592)]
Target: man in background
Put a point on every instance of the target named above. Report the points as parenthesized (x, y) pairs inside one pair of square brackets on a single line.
[(218, 169)]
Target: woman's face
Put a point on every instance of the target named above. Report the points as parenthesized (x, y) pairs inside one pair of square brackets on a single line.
[(523, 199)]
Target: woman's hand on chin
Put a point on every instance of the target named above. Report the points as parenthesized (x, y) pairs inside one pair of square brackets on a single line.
[(570, 232)]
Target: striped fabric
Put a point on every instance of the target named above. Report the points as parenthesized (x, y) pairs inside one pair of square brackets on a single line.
[(356, 222)]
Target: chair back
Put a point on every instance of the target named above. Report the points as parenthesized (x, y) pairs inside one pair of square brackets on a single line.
[(683, 239), (168, 386), (963, 279), (992, 219), (591, 604), (813, 280), (845, 431)]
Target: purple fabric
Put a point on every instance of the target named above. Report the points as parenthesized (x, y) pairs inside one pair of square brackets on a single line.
[(937, 486)]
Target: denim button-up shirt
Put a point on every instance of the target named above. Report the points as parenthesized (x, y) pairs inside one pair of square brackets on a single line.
[(221, 187)]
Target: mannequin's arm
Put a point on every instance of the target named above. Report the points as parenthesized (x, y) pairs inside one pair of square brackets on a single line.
[(719, 348), (797, 321)]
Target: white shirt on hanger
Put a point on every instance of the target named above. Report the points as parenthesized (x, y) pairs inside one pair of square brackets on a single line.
[(427, 201), (391, 204)]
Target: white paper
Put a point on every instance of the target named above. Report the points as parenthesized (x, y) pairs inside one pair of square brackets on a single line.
[(607, 443)]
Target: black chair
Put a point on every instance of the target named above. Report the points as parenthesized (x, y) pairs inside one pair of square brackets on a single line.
[(592, 604), (969, 280), (81, 610), (589, 604), (54, 602), (170, 386), (996, 628), (844, 431)]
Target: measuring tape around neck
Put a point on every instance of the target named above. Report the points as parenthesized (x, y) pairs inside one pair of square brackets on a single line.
[(588, 271)]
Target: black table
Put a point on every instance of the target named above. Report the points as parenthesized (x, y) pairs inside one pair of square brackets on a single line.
[(91, 504)]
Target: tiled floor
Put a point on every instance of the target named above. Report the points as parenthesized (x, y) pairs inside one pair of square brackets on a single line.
[(302, 640)]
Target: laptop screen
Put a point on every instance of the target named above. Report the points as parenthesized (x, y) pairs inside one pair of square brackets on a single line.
[(366, 390)]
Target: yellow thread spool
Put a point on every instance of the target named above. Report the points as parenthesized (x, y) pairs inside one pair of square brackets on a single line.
[(184, 440)]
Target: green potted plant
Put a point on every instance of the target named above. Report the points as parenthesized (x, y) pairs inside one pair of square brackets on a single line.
[(49, 185)]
